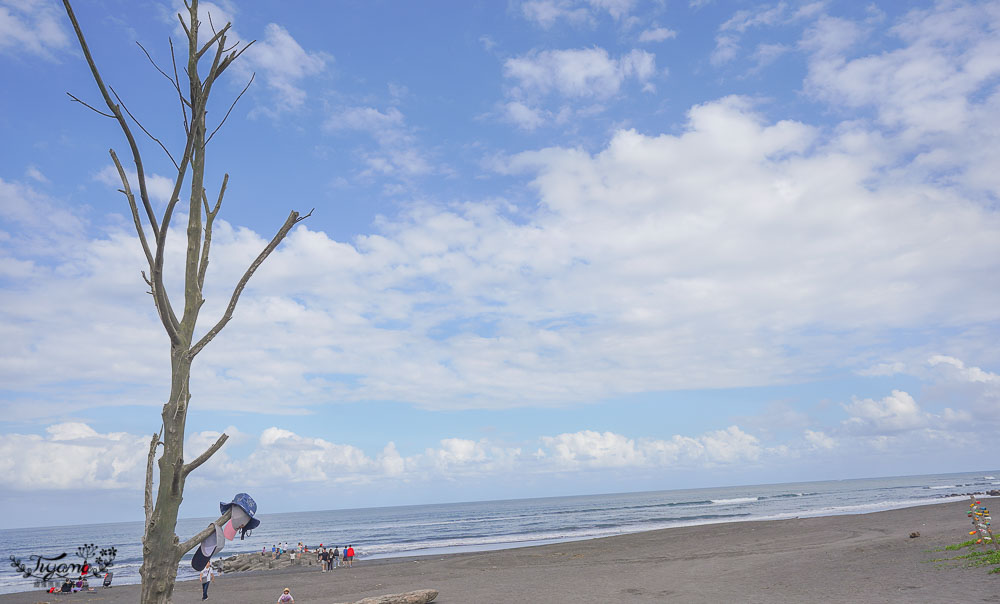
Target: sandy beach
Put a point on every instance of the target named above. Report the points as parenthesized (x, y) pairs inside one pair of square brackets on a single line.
[(859, 558)]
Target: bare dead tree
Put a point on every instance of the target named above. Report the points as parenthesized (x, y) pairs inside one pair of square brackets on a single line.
[(162, 550)]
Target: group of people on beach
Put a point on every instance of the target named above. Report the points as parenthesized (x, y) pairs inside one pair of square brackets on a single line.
[(329, 559)]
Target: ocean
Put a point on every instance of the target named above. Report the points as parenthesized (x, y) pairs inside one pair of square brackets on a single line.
[(487, 525)]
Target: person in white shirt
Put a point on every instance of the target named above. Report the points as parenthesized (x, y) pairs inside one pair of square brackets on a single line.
[(207, 574)]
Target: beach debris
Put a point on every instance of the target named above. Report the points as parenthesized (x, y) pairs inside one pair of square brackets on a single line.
[(981, 521), (914, 534), (421, 596)]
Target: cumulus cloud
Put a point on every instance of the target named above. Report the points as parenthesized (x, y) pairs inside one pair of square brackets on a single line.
[(657, 34), (739, 250), (546, 13), (575, 79), (819, 440), (943, 78), (729, 39), (590, 449), (897, 412), (284, 64), (399, 153), (77, 452), (72, 456), (695, 259), (577, 73), (159, 187)]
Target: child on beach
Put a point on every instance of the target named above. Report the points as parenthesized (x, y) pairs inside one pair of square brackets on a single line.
[(285, 597)]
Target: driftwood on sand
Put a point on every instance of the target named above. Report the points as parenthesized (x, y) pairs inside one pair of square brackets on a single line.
[(421, 596)]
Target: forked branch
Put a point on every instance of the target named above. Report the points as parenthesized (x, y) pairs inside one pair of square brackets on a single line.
[(197, 461), (291, 221), (210, 214)]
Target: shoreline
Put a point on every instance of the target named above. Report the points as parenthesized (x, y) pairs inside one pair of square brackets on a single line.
[(844, 558)]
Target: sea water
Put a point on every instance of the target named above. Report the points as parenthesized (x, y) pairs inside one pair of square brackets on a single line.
[(486, 525)]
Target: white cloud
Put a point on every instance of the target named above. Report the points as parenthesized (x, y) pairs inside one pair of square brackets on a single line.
[(616, 8), (366, 118), (159, 187), (963, 373), (32, 26), (578, 80), (738, 251), (74, 457), (689, 260), (657, 34), (523, 116), (729, 40), (285, 64), (546, 13), (938, 88), (577, 73), (590, 449), (894, 413), (399, 154), (36, 175), (819, 440)]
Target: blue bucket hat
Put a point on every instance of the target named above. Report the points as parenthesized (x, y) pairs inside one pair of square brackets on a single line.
[(247, 504)]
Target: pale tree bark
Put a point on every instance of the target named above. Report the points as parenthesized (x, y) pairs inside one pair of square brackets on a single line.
[(162, 549)]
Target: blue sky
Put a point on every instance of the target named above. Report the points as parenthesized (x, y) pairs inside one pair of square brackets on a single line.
[(558, 247)]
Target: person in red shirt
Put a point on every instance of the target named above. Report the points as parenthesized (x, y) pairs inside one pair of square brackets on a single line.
[(349, 555)]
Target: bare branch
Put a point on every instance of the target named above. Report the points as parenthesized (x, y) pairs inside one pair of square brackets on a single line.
[(135, 210), (185, 547), (197, 461), (148, 501), (118, 115), (225, 117), (143, 128), (213, 72), (180, 95), (153, 63), (218, 35), (210, 214), (232, 57), (292, 220), (97, 111), (187, 32)]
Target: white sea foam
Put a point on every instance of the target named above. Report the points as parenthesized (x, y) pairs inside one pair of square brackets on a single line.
[(735, 500)]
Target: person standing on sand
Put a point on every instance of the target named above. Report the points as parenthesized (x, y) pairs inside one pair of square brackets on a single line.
[(206, 579), (336, 557), (286, 597), (324, 559), (349, 556)]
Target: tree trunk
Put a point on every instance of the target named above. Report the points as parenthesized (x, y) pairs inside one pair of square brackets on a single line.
[(160, 545)]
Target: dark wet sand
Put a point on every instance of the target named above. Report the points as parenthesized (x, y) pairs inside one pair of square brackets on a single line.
[(856, 559)]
